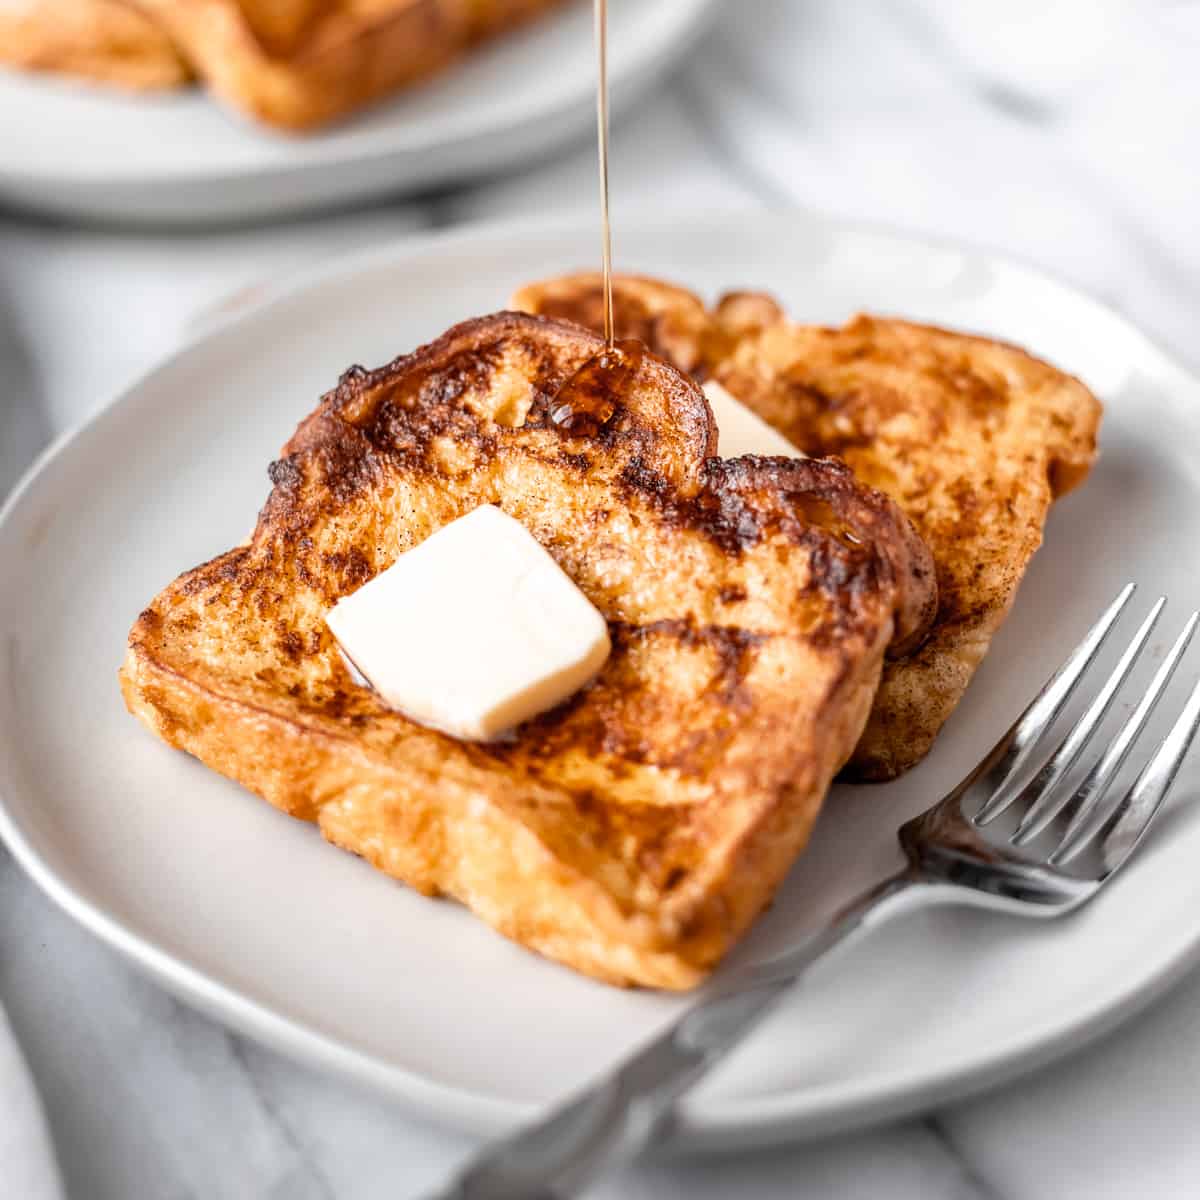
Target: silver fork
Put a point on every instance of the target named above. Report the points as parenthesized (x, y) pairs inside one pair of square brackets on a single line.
[(954, 854)]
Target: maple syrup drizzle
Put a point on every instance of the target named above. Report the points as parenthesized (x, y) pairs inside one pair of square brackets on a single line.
[(585, 404), (602, 131)]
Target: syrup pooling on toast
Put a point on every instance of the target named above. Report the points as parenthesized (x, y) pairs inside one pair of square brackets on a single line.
[(585, 403)]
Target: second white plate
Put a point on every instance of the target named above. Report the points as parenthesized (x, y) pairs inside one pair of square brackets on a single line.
[(85, 152), (252, 917)]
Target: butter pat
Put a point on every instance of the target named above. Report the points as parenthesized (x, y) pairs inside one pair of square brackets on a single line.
[(741, 430), (473, 631)]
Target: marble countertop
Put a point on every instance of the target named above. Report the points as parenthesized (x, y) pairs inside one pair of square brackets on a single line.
[(1061, 132)]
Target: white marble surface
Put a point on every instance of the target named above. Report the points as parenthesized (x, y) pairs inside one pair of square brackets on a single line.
[(1061, 132)]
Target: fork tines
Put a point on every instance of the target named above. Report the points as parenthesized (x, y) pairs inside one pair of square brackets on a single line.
[(1046, 797)]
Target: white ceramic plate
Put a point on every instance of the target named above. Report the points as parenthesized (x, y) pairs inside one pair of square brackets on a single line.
[(250, 916), (82, 151)]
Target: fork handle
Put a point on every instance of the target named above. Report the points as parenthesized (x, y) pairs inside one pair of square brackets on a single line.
[(614, 1118)]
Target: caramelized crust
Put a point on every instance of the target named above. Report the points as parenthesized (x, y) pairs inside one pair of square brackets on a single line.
[(635, 831), (973, 438)]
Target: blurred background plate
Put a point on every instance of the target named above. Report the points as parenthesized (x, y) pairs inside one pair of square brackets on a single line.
[(85, 152)]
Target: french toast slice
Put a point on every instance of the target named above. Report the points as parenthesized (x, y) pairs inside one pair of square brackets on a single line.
[(300, 64), (973, 438), (109, 41), (308, 64), (635, 831)]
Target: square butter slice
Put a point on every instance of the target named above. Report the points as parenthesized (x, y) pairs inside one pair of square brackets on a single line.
[(740, 430), (473, 631)]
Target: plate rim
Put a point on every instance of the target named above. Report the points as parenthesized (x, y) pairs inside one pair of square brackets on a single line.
[(345, 145), (716, 1126)]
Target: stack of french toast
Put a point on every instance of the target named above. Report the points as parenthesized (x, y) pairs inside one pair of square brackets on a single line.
[(774, 619), (293, 64)]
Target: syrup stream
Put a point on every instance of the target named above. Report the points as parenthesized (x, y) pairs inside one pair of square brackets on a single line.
[(602, 129), (584, 405)]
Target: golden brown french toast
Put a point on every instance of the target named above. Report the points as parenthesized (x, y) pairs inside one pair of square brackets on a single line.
[(973, 438), (300, 64), (636, 830), (307, 64), (296, 64), (105, 40)]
